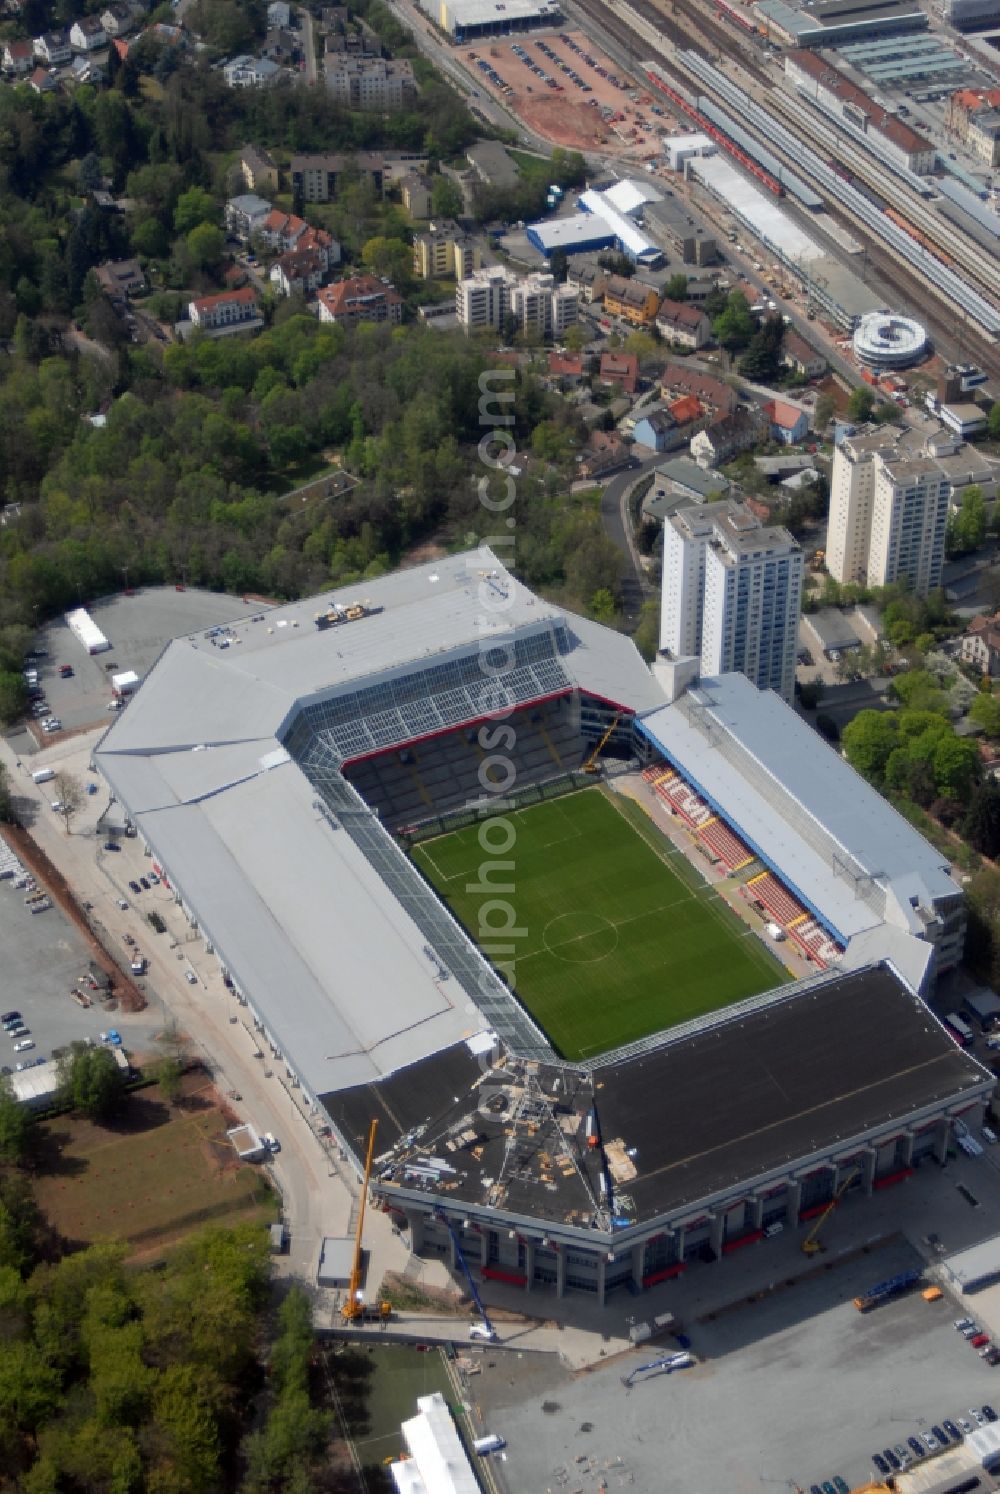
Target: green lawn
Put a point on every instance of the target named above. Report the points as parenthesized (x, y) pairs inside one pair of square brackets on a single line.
[(619, 938)]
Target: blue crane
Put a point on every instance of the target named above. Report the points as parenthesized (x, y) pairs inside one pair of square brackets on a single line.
[(484, 1329)]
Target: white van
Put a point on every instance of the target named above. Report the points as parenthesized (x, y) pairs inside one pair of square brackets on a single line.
[(44, 775), (490, 1443)]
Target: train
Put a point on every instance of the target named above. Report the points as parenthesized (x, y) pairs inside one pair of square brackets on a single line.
[(917, 234)]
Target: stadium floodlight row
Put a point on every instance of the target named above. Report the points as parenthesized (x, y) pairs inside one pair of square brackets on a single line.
[(265, 765)]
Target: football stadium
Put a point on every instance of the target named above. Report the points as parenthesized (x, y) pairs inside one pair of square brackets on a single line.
[(472, 869)]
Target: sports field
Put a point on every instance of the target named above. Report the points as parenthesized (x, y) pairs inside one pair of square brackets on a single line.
[(619, 936)]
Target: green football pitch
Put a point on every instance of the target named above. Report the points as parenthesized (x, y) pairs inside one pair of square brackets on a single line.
[(619, 937)]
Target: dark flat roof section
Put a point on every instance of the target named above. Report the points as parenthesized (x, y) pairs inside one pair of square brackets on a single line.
[(700, 1117), (796, 1078)]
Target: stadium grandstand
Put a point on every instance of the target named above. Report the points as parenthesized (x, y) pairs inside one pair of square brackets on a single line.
[(280, 769)]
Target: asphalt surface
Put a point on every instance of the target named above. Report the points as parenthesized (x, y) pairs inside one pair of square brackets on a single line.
[(634, 589)]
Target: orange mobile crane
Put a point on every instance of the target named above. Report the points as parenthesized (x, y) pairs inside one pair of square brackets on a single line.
[(354, 1310)]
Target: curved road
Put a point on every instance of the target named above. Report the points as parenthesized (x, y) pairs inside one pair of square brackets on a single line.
[(634, 589)]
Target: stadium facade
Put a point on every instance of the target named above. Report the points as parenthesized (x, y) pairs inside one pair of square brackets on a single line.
[(267, 767)]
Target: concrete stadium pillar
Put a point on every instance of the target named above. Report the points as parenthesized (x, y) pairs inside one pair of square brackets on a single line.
[(452, 1252), (715, 1230), (602, 1269), (415, 1223), (680, 1237), (942, 1139), (638, 1259), (908, 1139), (756, 1212), (794, 1200), (560, 1272), (529, 1264), (868, 1160)]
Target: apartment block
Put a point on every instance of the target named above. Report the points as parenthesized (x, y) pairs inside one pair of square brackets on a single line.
[(731, 594), (485, 298), (889, 495), (370, 82), (445, 250)]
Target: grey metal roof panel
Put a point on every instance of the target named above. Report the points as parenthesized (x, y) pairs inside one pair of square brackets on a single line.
[(189, 699), (609, 665), (305, 926), (833, 795)]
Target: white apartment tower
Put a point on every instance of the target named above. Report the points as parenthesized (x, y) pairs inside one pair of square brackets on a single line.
[(539, 305), (732, 594), (889, 496)]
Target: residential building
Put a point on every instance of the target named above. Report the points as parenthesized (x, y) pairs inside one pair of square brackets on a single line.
[(84, 69), (42, 81), (889, 498), (683, 324), (120, 278), (360, 298), (605, 452), (661, 430), (316, 178), (18, 57), (226, 310), (260, 174), (889, 135), (727, 436), (974, 117), (251, 72), (87, 34), (802, 356), (589, 280), (543, 306), (678, 378), (118, 19), (284, 232), (279, 14), (980, 646), (245, 214), (680, 482), (415, 190), (567, 367), (789, 423), (300, 271), (377, 83), (491, 163), (445, 250), (731, 594), (485, 298), (621, 369), (634, 302), (52, 48)]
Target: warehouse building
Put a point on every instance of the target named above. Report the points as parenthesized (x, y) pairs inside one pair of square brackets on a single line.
[(467, 19), (610, 219)]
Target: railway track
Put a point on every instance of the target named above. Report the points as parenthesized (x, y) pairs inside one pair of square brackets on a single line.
[(662, 31)]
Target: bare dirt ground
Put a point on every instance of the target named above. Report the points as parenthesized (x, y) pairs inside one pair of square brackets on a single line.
[(606, 117)]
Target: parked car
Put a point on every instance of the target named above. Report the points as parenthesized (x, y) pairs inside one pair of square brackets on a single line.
[(952, 1430), (144, 884), (190, 977), (135, 888), (23, 1045), (880, 1463), (918, 1450), (10, 1016), (111, 845), (154, 879), (890, 1458), (979, 1340)]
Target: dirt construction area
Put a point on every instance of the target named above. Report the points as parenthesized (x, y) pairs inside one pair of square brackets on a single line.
[(572, 94)]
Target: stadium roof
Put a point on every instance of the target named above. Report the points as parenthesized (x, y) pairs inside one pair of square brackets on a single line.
[(753, 1094), (839, 845), (213, 759)]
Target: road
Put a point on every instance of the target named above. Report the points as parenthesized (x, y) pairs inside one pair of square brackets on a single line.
[(634, 588), (308, 44)]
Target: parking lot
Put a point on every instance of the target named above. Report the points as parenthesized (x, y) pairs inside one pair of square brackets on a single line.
[(570, 92), (44, 954), (138, 628), (750, 1413)]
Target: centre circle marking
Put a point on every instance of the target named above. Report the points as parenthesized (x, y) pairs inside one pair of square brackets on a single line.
[(580, 938)]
